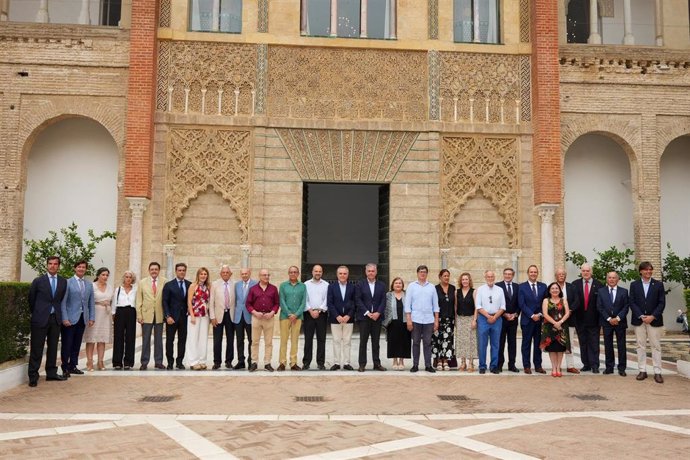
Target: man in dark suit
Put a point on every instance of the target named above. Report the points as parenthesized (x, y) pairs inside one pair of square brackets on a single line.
[(587, 319), (573, 300), (341, 314), (647, 302), (613, 305), (530, 297), (45, 297), (370, 301), (175, 312), (510, 320)]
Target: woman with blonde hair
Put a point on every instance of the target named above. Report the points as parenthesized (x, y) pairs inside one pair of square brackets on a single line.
[(124, 322), (198, 321), (466, 326)]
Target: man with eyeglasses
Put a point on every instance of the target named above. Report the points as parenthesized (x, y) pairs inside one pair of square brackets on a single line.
[(490, 304)]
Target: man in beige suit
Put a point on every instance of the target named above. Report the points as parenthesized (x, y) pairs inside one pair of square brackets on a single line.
[(149, 305), (221, 311)]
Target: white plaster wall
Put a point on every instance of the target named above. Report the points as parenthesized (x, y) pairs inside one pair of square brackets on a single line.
[(59, 11), (72, 176), (643, 12), (598, 206), (675, 213)]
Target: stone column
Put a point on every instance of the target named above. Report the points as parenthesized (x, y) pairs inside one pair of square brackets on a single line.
[(138, 206), (246, 253), (42, 14), (215, 15), (4, 10), (334, 18), (659, 23), (546, 212), (475, 22), (393, 21), (85, 13), (363, 19), (445, 252), (594, 37), (169, 260), (628, 38), (303, 18)]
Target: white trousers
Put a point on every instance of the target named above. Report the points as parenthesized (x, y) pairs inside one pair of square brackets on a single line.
[(197, 340), (569, 360), (653, 334), (342, 336)]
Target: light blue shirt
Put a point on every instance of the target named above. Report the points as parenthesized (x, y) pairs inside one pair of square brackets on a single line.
[(422, 301)]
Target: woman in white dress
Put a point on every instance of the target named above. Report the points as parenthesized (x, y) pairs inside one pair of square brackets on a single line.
[(102, 330)]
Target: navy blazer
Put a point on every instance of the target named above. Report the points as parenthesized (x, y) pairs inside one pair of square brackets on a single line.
[(530, 305), (41, 300), (573, 303), (365, 302), (619, 308), (512, 305), (653, 304), (174, 303), (339, 306), (241, 301), (589, 318)]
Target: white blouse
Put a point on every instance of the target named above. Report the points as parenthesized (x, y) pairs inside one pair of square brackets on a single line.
[(122, 299)]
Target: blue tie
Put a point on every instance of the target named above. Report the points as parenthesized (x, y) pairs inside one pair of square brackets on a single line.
[(53, 286)]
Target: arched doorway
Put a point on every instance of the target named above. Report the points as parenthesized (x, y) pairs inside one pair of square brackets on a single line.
[(72, 174)]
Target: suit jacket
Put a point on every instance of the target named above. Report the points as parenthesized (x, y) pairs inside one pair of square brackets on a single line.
[(392, 308), (339, 306), (590, 317), (216, 304), (653, 304), (529, 305), (174, 303), (41, 300), (619, 307), (365, 302), (74, 303), (512, 305), (148, 304), (241, 302), (573, 298)]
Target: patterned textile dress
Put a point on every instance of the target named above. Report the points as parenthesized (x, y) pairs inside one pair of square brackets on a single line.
[(102, 329), (551, 339), (443, 341), (465, 336)]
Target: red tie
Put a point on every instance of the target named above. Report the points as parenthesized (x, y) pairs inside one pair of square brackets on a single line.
[(586, 294), (153, 287)]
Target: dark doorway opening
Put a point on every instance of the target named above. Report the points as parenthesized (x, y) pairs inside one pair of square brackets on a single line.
[(345, 224), (577, 21)]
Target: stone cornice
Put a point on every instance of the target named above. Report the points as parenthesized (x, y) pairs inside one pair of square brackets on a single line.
[(58, 33), (636, 60)]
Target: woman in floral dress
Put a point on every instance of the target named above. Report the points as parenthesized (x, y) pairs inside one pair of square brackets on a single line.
[(443, 341), (554, 335), (197, 321)]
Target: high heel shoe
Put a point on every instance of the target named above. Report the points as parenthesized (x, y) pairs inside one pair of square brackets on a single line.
[(89, 365), (554, 374), (463, 367), (101, 366)]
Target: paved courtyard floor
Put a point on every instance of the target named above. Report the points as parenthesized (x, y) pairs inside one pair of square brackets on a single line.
[(339, 415)]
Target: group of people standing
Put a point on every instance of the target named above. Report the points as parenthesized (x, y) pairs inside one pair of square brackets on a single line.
[(448, 324)]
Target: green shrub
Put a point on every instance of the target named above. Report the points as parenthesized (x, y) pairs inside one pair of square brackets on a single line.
[(613, 259), (15, 320)]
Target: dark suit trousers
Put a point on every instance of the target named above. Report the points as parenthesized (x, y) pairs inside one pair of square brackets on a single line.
[(422, 333), (318, 325), (619, 332), (588, 336), (369, 327), (125, 336), (509, 334), (178, 328), (71, 343), (240, 329), (39, 334), (531, 336), (227, 326)]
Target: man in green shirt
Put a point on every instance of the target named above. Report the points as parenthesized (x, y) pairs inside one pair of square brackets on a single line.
[(293, 299)]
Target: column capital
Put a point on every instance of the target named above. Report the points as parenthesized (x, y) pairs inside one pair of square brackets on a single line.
[(546, 212), (138, 206), (169, 249)]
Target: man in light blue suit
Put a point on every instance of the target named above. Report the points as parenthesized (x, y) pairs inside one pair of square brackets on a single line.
[(243, 319), (78, 310)]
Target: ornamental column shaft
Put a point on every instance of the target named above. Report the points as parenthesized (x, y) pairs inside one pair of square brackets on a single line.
[(628, 38), (594, 37), (334, 18), (546, 212)]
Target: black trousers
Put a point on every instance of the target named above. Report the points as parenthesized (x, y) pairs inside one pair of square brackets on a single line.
[(319, 326), (422, 333), (49, 333), (508, 334), (588, 336), (178, 328), (225, 326), (369, 327), (241, 329), (71, 343), (125, 336), (619, 332)]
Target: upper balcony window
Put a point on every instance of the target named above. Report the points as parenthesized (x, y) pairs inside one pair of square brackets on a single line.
[(349, 18), (475, 21), (216, 16), (88, 12), (632, 22)]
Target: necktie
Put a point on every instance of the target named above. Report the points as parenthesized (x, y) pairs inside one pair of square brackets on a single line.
[(153, 286), (510, 291), (53, 285), (181, 284), (227, 297), (586, 294), (611, 294), (534, 289), (81, 286), (244, 289)]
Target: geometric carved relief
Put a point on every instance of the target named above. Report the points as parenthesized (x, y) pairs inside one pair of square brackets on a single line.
[(352, 84), (480, 87), (199, 158), (524, 21), (208, 78), (348, 156), (480, 165), (164, 17)]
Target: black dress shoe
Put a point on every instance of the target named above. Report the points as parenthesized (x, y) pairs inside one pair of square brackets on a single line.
[(305, 367), (228, 365), (33, 383), (239, 366), (216, 366), (117, 368), (56, 378), (143, 367), (414, 369), (322, 367), (128, 368), (360, 369), (160, 366), (76, 372), (347, 367), (269, 368), (169, 367), (622, 373), (495, 371), (253, 367), (585, 369), (335, 367), (641, 376), (379, 367), (181, 366), (514, 369), (595, 370), (658, 378), (608, 371), (430, 369), (482, 371)]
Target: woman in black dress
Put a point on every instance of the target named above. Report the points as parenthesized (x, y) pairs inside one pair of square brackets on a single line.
[(399, 339), (554, 335), (466, 327), (443, 342)]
